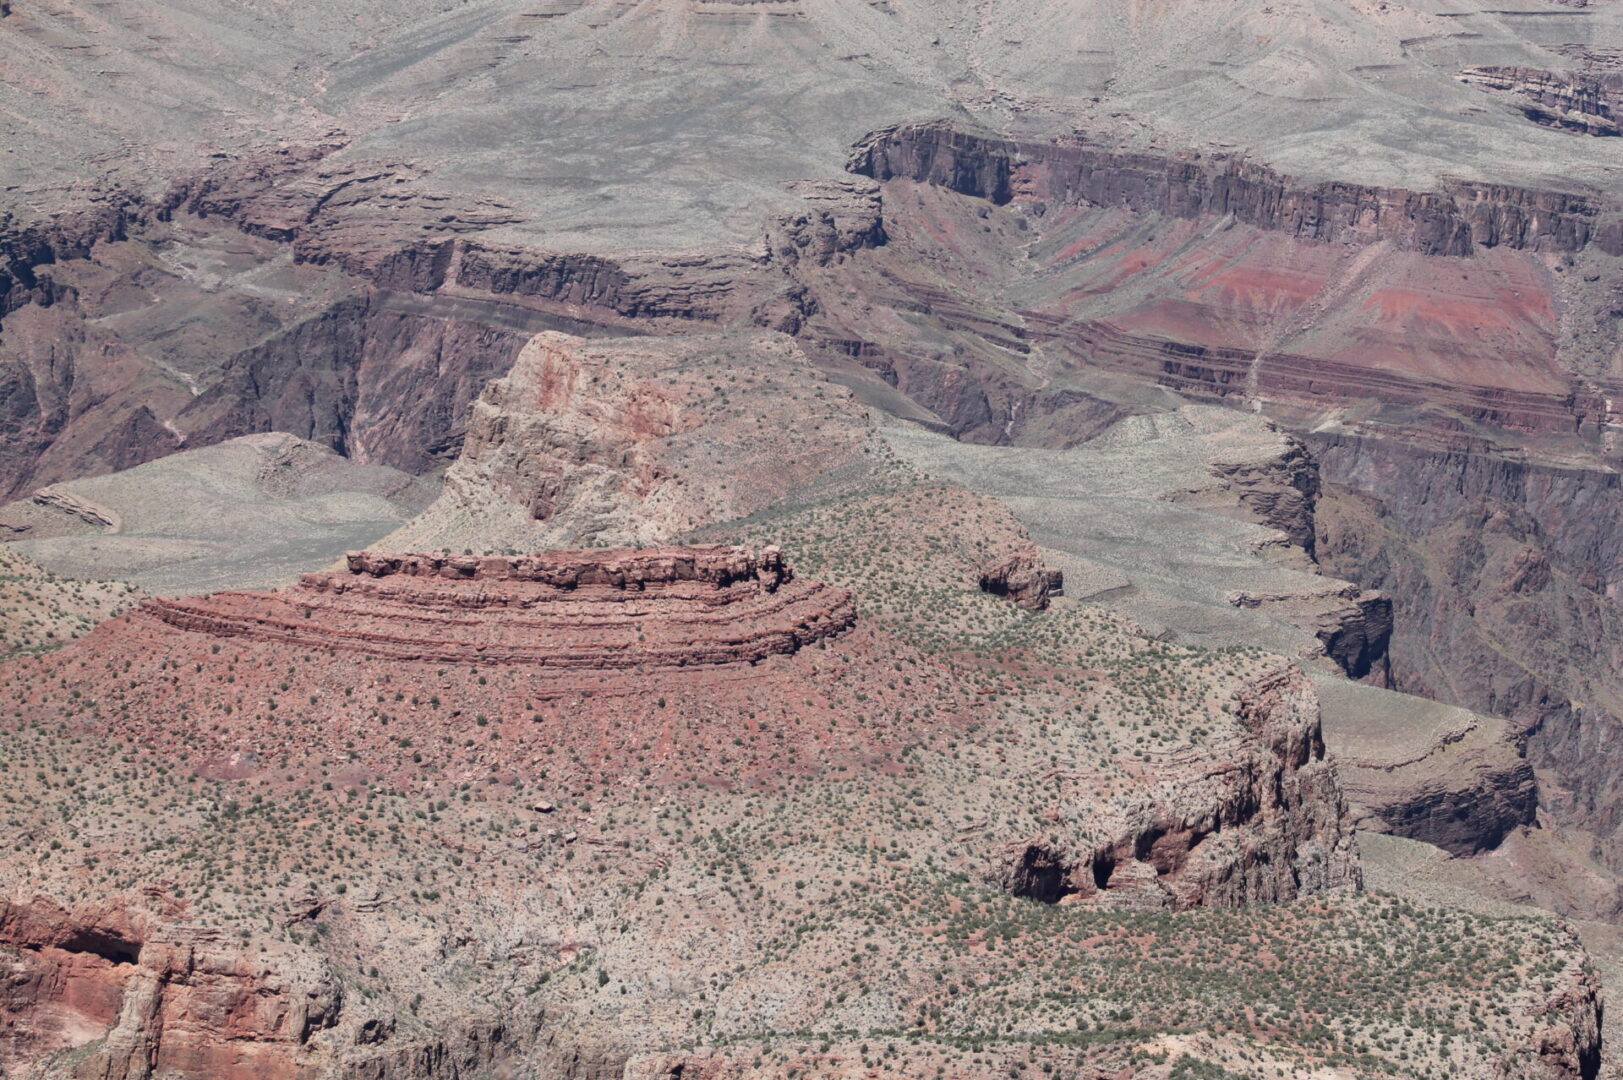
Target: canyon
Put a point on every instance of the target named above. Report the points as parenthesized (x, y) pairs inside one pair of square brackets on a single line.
[(701, 538)]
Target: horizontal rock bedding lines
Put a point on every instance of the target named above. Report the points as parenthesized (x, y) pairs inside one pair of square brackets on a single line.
[(1458, 221), (610, 610), (622, 568)]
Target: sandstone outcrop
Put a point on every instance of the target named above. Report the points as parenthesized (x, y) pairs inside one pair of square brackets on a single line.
[(126, 992), (142, 998), (1260, 824), (605, 609), (638, 441)]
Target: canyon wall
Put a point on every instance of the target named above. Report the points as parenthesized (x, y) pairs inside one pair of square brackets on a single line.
[(379, 385), (1269, 825), (1503, 575), (1588, 102), (1456, 221)]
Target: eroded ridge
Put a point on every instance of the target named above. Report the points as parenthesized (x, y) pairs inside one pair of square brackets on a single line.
[(608, 609)]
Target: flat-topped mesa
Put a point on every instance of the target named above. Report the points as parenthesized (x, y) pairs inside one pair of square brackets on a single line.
[(603, 609), (622, 568)]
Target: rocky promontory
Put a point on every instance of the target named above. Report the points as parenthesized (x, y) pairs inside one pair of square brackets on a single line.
[(605, 609)]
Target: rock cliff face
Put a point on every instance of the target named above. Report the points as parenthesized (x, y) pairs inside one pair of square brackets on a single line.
[(143, 999), (638, 441), (1431, 772), (1457, 221), (379, 223), (1023, 578), (1590, 103), (128, 993), (1501, 573), (1262, 824), (1353, 624), (376, 383), (367, 216), (601, 610), (84, 389), (51, 371), (1198, 274)]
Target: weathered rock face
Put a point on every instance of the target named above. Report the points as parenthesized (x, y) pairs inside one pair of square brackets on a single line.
[(1024, 579), (380, 224), (377, 384), (1262, 824), (1353, 624), (84, 392), (1431, 772), (1501, 574), (1457, 221), (603, 609), (365, 216), (1279, 491), (51, 372), (636, 441), (127, 993), (1587, 102), (1566, 1043), (148, 999), (1177, 285)]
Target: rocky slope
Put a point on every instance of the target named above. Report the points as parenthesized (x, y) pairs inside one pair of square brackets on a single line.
[(39, 610), (252, 511), (1229, 803)]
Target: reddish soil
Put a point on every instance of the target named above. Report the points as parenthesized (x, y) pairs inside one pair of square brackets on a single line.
[(579, 666)]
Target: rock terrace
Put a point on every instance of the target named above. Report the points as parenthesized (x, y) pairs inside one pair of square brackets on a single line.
[(604, 609)]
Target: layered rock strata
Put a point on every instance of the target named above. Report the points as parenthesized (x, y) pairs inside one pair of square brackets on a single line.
[(162, 999), (1590, 103), (1431, 772), (638, 441), (1504, 578), (1462, 218), (1263, 822), (607, 609)]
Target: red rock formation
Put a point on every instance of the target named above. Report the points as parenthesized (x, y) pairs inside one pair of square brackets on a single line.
[(610, 609), (148, 999), (1024, 579)]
